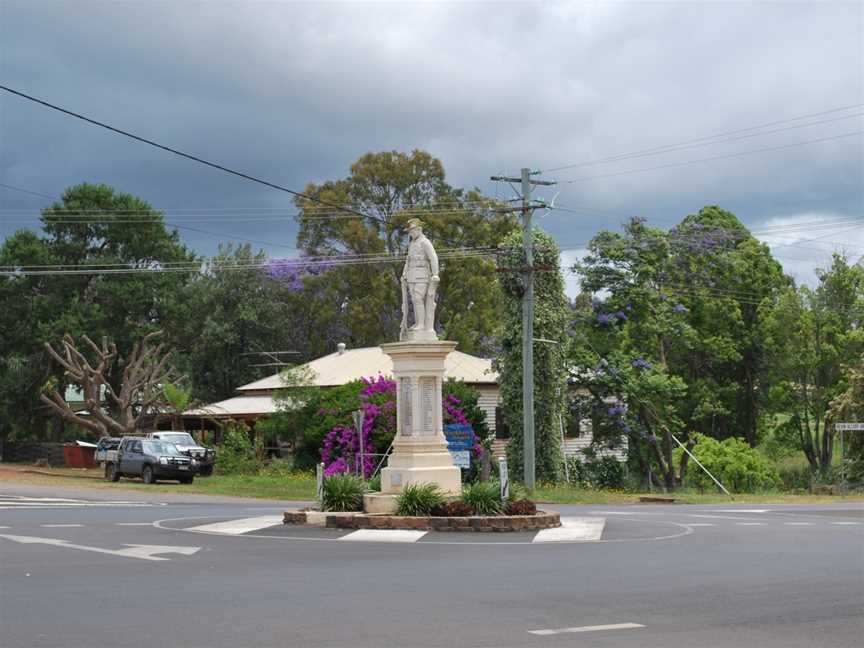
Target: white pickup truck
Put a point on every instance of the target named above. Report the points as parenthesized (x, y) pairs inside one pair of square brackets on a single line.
[(202, 458)]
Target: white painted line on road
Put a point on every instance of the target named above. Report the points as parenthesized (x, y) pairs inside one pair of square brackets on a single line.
[(595, 628), (60, 526), (719, 517), (614, 513), (384, 535), (574, 529), (5, 527), (238, 527), (738, 511), (749, 524), (846, 523), (701, 524), (133, 524), (141, 552), (798, 523)]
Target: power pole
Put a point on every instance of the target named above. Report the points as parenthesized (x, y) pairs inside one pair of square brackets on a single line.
[(527, 209)]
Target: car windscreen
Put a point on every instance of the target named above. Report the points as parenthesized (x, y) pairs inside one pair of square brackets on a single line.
[(160, 448), (180, 439)]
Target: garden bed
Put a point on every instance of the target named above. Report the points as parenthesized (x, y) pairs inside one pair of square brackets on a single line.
[(474, 523)]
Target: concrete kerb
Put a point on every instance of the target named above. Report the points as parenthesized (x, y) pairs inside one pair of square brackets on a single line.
[(481, 524)]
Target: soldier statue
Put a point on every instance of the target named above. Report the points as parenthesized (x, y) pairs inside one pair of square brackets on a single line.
[(419, 284)]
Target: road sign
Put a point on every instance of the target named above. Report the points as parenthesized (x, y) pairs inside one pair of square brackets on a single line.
[(849, 427)]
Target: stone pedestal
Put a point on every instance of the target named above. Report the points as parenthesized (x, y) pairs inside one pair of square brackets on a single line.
[(419, 450)]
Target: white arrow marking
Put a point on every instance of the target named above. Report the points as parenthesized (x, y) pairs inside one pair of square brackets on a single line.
[(142, 552)]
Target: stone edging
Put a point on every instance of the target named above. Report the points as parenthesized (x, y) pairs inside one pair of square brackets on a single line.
[(495, 523)]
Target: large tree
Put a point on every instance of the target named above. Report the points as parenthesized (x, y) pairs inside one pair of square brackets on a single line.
[(683, 305), (811, 335), (364, 215), (104, 252)]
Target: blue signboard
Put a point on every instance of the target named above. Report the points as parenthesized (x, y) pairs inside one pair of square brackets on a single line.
[(460, 440), (460, 436)]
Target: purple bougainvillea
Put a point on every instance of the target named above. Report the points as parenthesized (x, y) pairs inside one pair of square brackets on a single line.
[(340, 449)]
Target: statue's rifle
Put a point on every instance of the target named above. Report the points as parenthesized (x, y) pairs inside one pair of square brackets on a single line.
[(403, 327)]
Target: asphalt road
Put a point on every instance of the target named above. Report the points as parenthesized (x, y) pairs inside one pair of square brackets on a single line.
[(95, 569)]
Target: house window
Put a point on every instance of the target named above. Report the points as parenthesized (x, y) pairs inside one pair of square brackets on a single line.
[(501, 429)]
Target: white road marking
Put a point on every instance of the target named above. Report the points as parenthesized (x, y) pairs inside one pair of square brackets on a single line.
[(749, 524), (846, 523), (595, 628), (384, 535), (720, 517), (238, 527), (574, 529), (798, 523), (60, 526), (739, 510), (701, 524), (614, 513), (5, 527), (133, 524), (141, 552)]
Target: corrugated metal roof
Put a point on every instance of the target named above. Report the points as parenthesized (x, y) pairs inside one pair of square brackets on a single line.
[(237, 406), (352, 364)]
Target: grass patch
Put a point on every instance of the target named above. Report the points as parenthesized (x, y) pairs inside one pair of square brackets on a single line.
[(297, 486), (564, 494)]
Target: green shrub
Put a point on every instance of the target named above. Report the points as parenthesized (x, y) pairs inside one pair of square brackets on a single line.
[(515, 491), (418, 499), (343, 492), (453, 509), (521, 507), (483, 497), (606, 472), (278, 468), (794, 478), (374, 483), (235, 455), (739, 467), (576, 473)]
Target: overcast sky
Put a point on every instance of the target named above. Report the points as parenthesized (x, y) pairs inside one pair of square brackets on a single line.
[(295, 92)]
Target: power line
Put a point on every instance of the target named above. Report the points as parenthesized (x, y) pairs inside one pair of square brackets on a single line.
[(711, 159), (26, 191), (708, 140), (176, 151)]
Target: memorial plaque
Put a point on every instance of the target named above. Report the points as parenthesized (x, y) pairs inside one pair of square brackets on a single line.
[(405, 405), (427, 399)]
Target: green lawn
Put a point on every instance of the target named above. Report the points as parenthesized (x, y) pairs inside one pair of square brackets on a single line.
[(301, 486)]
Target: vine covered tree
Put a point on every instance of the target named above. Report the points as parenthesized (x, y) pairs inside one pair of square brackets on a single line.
[(551, 317)]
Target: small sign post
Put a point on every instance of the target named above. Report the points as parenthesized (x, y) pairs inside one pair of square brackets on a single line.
[(504, 479), (358, 425), (319, 484)]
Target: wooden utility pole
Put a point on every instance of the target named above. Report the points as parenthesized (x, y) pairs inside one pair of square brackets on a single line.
[(527, 209)]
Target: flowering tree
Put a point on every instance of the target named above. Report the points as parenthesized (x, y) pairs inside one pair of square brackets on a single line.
[(675, 315)]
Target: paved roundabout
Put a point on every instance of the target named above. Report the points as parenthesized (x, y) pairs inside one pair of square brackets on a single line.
[(574, 530)]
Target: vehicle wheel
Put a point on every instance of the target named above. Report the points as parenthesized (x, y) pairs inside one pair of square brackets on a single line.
[(114, 473), (187, 480), (207, 471), (148, 476)]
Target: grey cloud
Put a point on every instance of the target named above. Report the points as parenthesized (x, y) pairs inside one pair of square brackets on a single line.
[(294, 92)]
